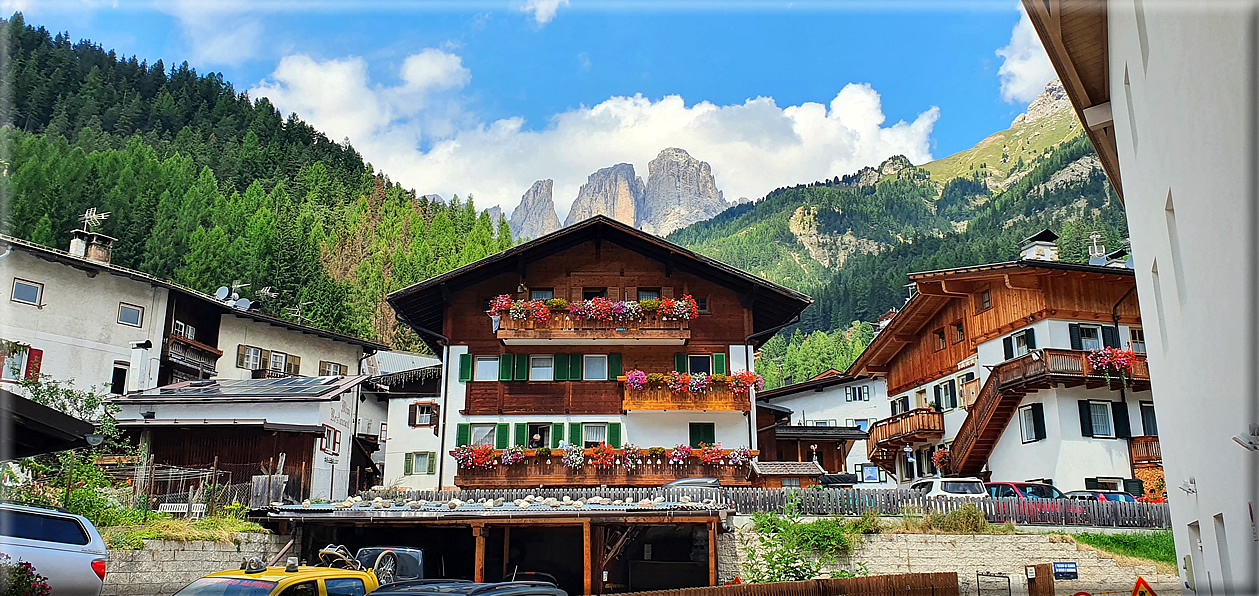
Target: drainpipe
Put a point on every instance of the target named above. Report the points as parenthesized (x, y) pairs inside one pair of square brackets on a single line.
[(748, 358)]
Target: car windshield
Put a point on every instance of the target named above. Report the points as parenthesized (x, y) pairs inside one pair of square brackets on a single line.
[(227, 586), (1041, 491), (962, 488)]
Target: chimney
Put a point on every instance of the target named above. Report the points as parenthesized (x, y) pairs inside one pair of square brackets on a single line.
[(1040, 247), (92, 246)]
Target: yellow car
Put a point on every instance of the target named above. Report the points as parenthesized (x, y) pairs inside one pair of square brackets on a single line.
[(255, 579)]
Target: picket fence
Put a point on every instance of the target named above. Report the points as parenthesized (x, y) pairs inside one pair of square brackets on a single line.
[(908, 584), (849, 502)]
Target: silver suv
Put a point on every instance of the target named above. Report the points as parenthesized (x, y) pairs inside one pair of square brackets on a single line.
[(63, 547)]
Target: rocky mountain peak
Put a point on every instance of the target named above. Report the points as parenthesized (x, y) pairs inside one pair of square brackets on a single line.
[(680, 191), (894, 164), (535, 215), (1050, 101), (614, 191)]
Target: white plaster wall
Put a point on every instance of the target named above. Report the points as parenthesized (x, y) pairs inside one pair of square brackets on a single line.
[(829, 404), (454, 395), (78, 327), (402, 439), (330, 474), (234, 331), (666, 429), (1188, 131)]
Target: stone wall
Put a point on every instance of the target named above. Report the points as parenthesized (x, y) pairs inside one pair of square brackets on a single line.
[(165, 566), (967, 554)]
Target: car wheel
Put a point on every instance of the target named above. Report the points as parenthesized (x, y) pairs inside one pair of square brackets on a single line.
[(386, 568)]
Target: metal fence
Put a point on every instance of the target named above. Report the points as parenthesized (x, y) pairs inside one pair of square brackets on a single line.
[(908, 584), (848, 502)]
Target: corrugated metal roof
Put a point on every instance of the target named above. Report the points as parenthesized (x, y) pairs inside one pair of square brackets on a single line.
[(395, 361), (787, 468)]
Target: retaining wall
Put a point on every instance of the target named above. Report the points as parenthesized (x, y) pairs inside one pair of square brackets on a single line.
[(165, 566)]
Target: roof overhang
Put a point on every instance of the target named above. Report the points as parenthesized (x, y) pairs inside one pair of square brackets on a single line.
[(1074, 33), (28, 428), (824, 433), (261, 423)]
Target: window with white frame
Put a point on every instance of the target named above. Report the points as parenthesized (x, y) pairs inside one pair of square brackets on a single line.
[(595, 367), (791, 483), (331, 441), (421, 462), (1099, 413), (593, 434), (15, 364), (328, 369), (649, 293), (422, 414), (861, 393), (483, 434), (1027, 423), (1136, 340), (184, 330), (252, 358), (948, 395), (861, 423), (1111, 484), (1021, 342), (486, 368), (27, 292), (542, 368), (130, 314), (1090, 337), (700, 363), (541, 294), (277, 361), (382, 436)]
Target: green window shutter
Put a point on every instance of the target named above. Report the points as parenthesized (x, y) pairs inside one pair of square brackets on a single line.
[(1091, 484), (574, 434), (561, 367), (1086, 418), (679, 362), (1110, 336), (465, 368), (1031, 339), (406, 464), (501, 434), (557, 434), (1134, 487), (719, 363), (432, 463), (614, 434), (575, 371), (522, 367), (463, 434), (1008, 344), (1073, 330), (703, 432), (614, 366), (506, 367), (522, 434), (1119, 412), (1038, 421)]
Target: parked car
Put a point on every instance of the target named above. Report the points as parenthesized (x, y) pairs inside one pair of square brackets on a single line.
[(471, 589), (969, 488), (1023, 490), (338, 575), (1101, 495), (695, 488), (62, 546), (1036, 504)]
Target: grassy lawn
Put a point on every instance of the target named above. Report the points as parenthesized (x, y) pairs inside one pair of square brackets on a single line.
[(1154, 546), (217, 529)]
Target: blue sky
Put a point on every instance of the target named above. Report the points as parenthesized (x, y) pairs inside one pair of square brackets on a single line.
[(485, 97)]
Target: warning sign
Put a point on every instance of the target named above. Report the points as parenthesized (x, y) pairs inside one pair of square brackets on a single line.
[(1142, 588)]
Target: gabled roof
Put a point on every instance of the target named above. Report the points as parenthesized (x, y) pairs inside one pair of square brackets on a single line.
[(815, 384), (1045, 235), (423, 305)]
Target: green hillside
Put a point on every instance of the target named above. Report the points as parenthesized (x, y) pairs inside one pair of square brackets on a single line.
[(1010, 151)]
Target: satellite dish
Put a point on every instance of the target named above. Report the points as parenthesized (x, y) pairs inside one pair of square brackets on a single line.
[(221, 293), (243, 304)]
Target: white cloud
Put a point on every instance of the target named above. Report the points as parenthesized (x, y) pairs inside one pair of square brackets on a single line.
[(543, 11), (753, 147), (221, 32), (1026, 68)]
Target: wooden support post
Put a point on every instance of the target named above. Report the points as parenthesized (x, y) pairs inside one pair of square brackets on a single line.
[(214, 484), (479, 566), (712, 553), (585, 544), (506, 549)]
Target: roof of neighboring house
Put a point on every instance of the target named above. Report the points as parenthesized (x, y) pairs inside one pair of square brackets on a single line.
[(247, 390), (410, 376), (389, 362), (787, 468), (846, 433), (775, 407), (33, 429), (423, 305), (816, 384), (65, 258), (236, 422), (839, 479)]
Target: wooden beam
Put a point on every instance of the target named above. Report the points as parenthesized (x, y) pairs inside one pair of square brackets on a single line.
[(712, 553), (956, 290), (1098, 116), (905, 338), (1022, 282), (478, 569), (506, 549), (585, 543)]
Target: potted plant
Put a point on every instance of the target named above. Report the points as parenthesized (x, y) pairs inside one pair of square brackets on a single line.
[(632, 456), (681, 455), (1113, 361), (677, 382), (543, 453), (655, 380), (709, 455), (574, 457), (940, 459), (512, 455), (740, 457), (474, 456), (636, 379), (557, 304), (603, 457), (656, 454)]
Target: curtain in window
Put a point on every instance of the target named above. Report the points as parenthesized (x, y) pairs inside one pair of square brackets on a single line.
[(1100, 414)]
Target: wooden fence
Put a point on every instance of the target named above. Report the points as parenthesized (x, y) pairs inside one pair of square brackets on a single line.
[(909, 584), (851, 502)]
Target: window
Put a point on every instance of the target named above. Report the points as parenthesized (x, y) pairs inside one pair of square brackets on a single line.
[(702, 303), (46, 528), (700, 364), (27, 292), (920, 399), (703, 432), (118, 383), (344, 586), (331, 441), (302, 589), (541, 294), (857, 393), (1136, 340), (277, 361), (1113, 484), (791, 483), (946, 394), (941, 342), (649, 293), (1149, 424), (542, 368), (483, 434), (1032, 422), (486, 368), (588, 293), (421, 414), (250, 358), (594, 434), (959, 332), (539, 435), (1090, 337), (421, 462), (900, 405), (184, 330), (862, 423), (983, 301), (130, 314), (329, 369), (15, 365), (1023, 342), (1099, 413), (381, 438), (595, 367), (869, 473)]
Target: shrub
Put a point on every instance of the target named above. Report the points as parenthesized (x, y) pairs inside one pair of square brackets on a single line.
[(967, 519), (21, 579), (650, 304), (542, 452), (656, 452), (557, 304)]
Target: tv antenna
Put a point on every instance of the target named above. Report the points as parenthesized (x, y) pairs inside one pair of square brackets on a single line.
[(265, 292), (296, 312), (92, 219), (1096, 249)]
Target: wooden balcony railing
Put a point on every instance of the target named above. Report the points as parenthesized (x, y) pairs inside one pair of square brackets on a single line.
[(192, 354), (543, 397), (653, 330), (890, 434), (1036, 365), (538, 471), (660, 398), (1145, 449)]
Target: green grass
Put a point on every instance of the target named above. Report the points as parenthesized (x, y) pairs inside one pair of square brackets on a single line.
[(1153, 546), (1027, 145), (216, 529)]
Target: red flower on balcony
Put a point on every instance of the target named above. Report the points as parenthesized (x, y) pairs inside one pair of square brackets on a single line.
[(603, 457), (1113, 361), (475, 456), (710, 454)]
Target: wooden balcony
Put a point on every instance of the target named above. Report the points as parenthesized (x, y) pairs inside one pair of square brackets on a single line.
[(543, 397), (1145, 450), (535, 472), (563, 330), (889, 435), (192, 355), (718, 398)]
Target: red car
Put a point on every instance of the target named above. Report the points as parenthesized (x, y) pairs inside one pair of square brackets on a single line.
[(1034, 504)]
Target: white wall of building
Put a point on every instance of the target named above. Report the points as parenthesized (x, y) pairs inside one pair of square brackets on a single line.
[(667, 429), (810, 407), (401, 439), (1183, 96), (77, 328), (455, 394), (234, 331)]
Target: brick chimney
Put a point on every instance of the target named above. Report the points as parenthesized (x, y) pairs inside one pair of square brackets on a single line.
[(1040, 247), (92, 246)]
